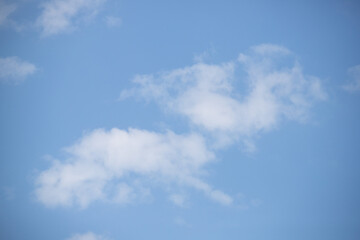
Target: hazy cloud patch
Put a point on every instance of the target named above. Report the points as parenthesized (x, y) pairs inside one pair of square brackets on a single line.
[(354, 83), (15, 70), (87, 236), (59, 16)]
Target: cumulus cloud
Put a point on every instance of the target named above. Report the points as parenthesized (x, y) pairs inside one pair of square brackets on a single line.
[(87, 236), (100, 166), (354, 84), (270, 49), (13, 69), (231, 101), (5, 11), (60, 16), (275, 88)]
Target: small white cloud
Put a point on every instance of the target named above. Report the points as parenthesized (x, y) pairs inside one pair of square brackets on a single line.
[(205, 95), (181, 222), (5, 11), (270, 49), (221, 197), (178, 199), (87, 236), (60, 16), (354, 84), (100, 160), (112, 21), (13, 69)]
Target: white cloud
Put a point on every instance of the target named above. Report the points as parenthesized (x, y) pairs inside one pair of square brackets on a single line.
[(121, 166), (102, 165), (354, 84), (275, 89), (87, 236), (60, 16), (112, 21), (13, 69), (178, 199), (5, 11)]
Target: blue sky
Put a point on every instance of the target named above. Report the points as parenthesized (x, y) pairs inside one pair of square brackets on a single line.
[(179, 120)]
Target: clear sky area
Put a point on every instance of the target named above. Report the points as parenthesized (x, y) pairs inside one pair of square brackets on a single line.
[(236, 120)]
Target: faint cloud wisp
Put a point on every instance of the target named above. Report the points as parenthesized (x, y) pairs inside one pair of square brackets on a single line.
[(15, 70), (87, 236), (354, 83)]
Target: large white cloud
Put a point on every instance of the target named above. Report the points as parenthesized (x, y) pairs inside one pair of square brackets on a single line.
[(118, 165), (354, 84), (274, 88), (59, 16), (103, 165), (13, 69)]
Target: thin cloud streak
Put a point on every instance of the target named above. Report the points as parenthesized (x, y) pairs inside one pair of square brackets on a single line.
[(87, 236)]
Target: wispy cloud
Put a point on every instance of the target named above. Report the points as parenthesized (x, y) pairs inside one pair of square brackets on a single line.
[(205, 55), (270, 50), (87, 236), (112, 21), (102, 165), (6, 9), (178, 199), (15, 70), (245, 203), (60, 16), (354, 84), (205, 94)]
